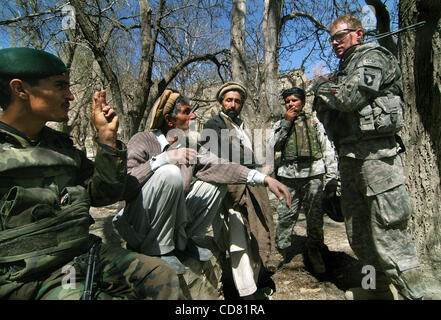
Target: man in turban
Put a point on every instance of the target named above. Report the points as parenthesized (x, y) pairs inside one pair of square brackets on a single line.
[(248, 231), (171, 215)]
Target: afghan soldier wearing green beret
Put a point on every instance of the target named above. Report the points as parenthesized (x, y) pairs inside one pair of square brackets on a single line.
[(47, 187)]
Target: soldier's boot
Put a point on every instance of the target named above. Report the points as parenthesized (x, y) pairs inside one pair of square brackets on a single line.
[(315, 260), (383, 293)]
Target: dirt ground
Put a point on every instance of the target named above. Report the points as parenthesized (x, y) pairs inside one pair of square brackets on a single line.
[(293, 280)]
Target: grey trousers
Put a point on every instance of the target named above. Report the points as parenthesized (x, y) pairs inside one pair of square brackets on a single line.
[(163, 218)]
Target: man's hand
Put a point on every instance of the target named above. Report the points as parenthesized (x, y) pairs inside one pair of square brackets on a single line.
[(291, 114), (104, 119), (182, 156), (278, 189)]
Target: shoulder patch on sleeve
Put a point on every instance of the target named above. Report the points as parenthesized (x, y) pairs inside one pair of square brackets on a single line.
[(370, 78)]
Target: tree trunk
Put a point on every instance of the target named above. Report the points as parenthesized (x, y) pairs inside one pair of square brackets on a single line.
[(98, 48), (271, 28), (237, 43), (420, 58)]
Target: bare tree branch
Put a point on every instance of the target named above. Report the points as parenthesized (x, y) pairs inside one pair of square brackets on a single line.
[(302, 14), (28, 16), (160, 86), (97, 47)]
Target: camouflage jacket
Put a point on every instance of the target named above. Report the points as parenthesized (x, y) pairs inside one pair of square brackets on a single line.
[(46, 190), (327, 165), (104, 180), (368, 75)]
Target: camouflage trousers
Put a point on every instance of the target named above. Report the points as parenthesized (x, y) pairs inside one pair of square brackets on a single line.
[(376, 208), (306, 193), (120, 275)]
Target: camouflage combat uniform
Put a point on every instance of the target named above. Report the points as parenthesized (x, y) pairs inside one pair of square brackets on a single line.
[(306, 167), (361, 109), (46, 190)]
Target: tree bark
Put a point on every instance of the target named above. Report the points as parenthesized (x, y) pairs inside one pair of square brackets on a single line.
[(419, 53), (237, 42), (98, 48), (271, 27)]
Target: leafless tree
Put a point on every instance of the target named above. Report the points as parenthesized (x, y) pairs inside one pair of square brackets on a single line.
[(305, 29), (271, 27), (156, 33)]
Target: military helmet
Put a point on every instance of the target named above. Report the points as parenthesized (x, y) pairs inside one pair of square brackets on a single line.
[(332, 207)]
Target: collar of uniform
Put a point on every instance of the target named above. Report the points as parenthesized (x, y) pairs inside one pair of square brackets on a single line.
[(161, 139), (18, 135), (359, 48), (302, 114)]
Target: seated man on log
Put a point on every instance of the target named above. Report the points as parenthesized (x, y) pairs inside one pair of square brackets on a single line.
[(172, 213)]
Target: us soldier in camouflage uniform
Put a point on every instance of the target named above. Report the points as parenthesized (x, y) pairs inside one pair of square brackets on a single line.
[(361, 108), (308, 163), (47, 187)]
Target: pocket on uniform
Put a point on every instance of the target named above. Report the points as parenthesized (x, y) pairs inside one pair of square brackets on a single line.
[(21, 206), (393, 207), (384, 184), (382, 175)]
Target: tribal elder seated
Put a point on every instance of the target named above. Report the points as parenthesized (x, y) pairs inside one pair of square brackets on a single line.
[(171, 213)]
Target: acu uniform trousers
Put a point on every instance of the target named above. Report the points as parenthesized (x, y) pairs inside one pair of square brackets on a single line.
[(376, 208)]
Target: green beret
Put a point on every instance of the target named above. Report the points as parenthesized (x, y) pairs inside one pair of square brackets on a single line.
[(30, 63)]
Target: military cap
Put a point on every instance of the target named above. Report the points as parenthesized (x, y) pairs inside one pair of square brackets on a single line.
[(30, 63), (231, 86)]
